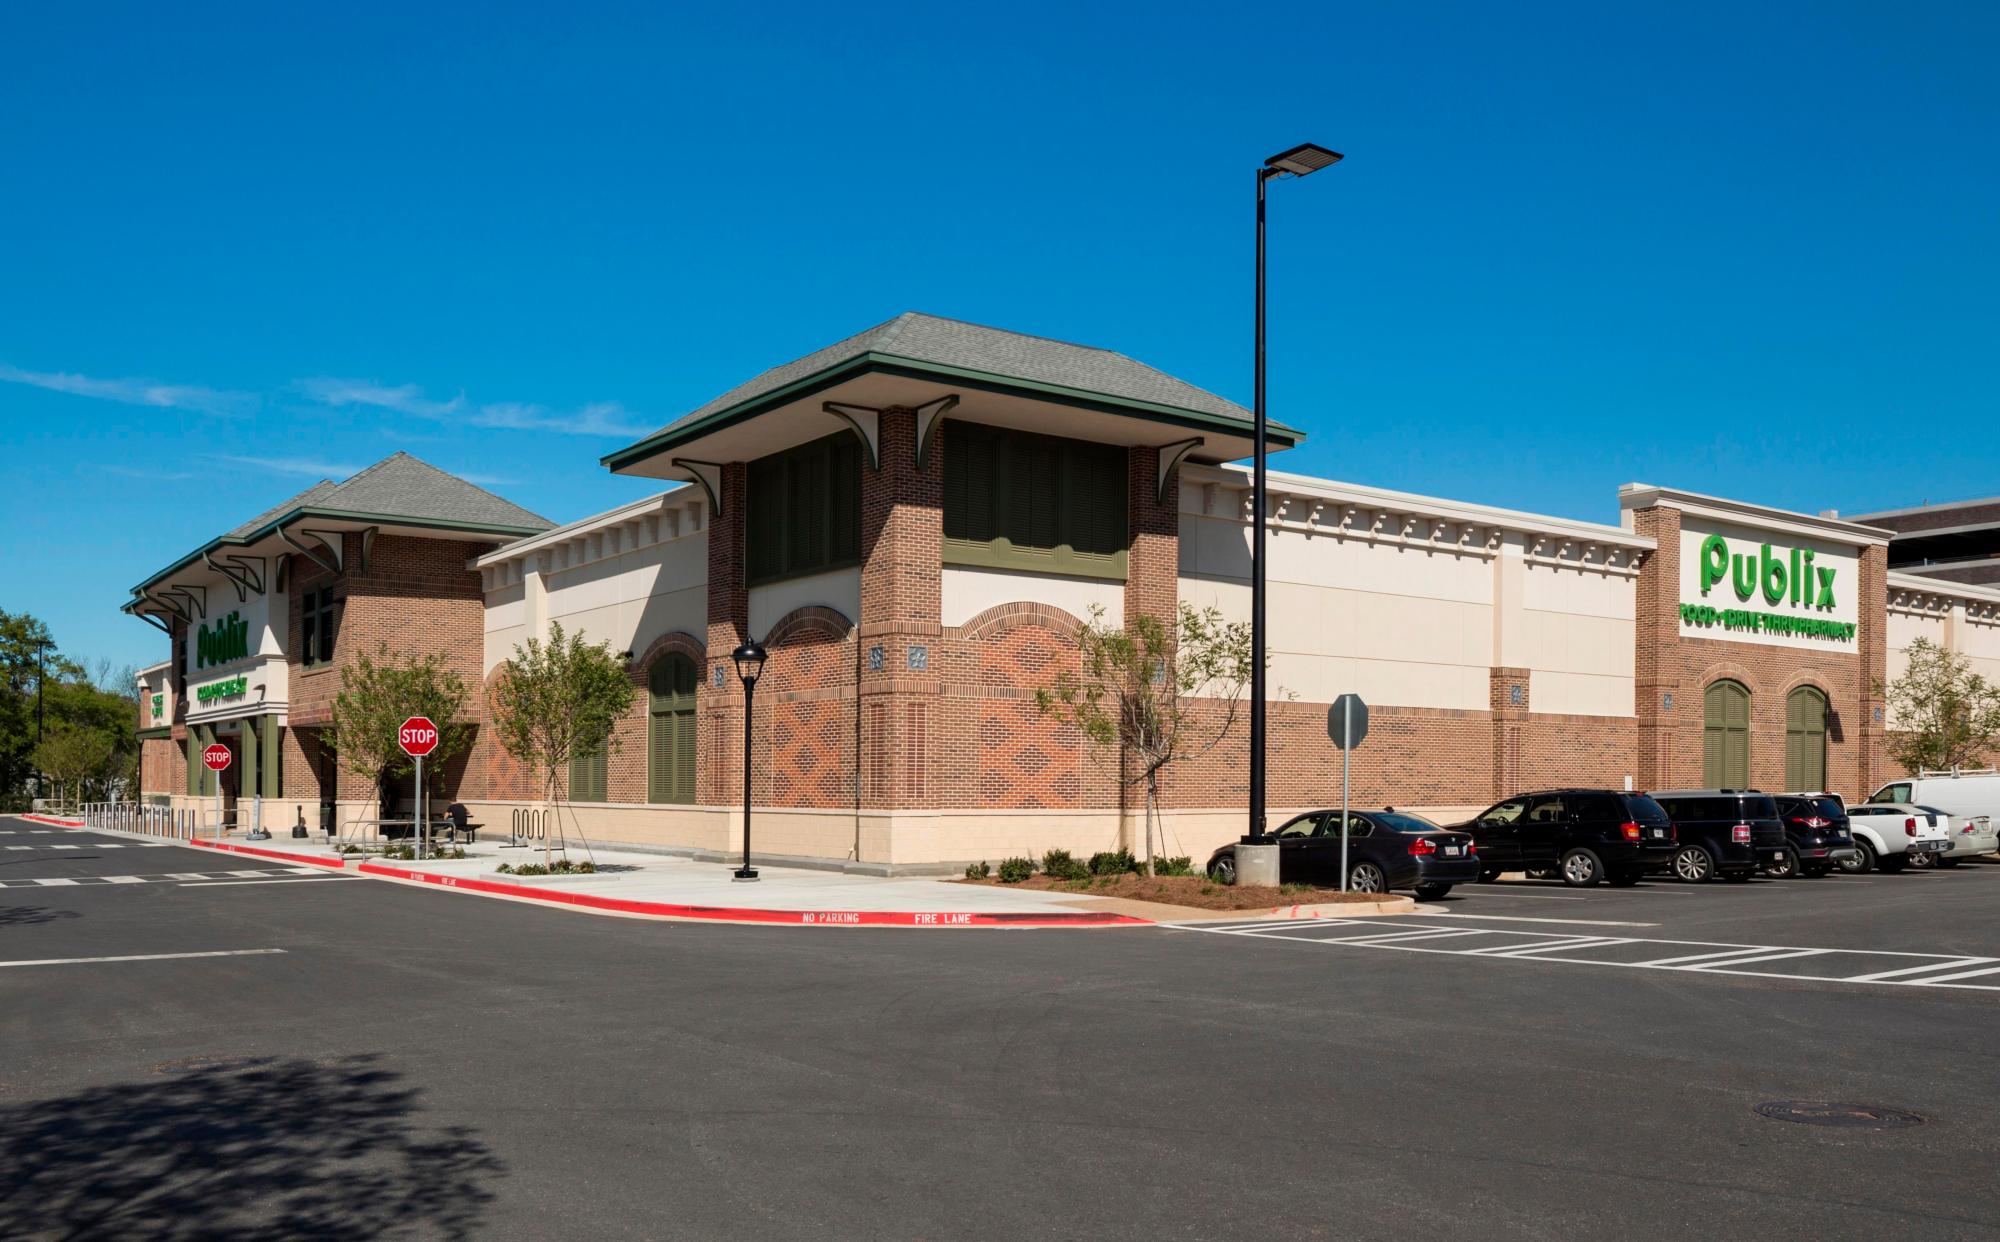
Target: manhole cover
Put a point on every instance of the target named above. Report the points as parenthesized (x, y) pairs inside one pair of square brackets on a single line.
[(1850, 1116), (203, 1065)]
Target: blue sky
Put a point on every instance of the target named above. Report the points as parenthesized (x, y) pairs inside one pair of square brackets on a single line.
[(1745, 249)]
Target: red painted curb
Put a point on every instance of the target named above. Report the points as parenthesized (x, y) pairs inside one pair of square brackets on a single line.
[(735, 914), (281, 855), (52, 821)]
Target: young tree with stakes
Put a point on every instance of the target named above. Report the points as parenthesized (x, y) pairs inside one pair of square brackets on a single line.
[(1947, 716), (557, 700), (1154, 696), (377, 695)]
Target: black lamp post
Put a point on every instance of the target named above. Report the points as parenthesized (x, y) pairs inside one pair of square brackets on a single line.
[(749, 666), (1300, 161)]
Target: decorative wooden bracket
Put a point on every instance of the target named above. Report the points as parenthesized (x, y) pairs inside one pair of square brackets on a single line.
[(866, 422), (1171, 456), (708, 474), (929, 414)]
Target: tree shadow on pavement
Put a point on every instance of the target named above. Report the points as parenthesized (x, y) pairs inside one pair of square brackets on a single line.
[(26, 916), (271, 1149)]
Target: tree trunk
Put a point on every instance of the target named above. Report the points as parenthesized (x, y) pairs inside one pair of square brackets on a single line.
[(1152, 800)]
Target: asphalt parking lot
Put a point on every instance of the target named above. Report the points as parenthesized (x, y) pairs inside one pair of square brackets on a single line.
[(203, 1048)]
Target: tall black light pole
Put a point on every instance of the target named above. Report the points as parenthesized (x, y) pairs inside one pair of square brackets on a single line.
[(1300, 161), (41, 678), (749, 666)]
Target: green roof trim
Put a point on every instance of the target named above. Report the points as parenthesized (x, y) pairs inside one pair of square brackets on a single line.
[(1280, 435)]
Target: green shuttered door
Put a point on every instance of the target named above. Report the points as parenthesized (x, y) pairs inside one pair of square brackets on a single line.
[(1725, 736), (670, 737), (1805, 740)]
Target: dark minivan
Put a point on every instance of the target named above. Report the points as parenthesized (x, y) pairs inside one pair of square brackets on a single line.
[(1817, 838), (1583, 835), (1725, 832)]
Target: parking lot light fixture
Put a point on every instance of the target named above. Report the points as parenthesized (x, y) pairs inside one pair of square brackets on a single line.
[(749, 660), (1299, 161)]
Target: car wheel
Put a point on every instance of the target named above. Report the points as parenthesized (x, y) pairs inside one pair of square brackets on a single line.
[(1431, 892), (1890, 864), (1488, 875), (1863, 861), (1367, 878), (1813, 872), (1223, 870), (1693, 865), (1786, 868), (1922, 862), (1623, 879), (1581, 868)]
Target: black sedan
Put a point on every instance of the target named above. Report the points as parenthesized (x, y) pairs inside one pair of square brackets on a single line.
[(1385, 850)]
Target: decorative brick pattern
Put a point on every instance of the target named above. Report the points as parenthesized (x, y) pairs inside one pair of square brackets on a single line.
[(902, 550)]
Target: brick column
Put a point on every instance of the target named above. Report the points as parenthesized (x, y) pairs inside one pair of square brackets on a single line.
[(719, 737), (1508, 704), (902, 537), (1872, 608), (1656, 667)]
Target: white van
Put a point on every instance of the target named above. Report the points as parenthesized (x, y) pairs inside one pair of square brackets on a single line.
[(1967, 795)]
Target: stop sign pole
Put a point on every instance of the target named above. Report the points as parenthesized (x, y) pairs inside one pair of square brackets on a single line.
[(215, 757), (418, 737), (1346, 725)]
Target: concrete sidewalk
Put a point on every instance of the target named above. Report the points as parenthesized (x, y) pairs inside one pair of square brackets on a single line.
[(661, 886)]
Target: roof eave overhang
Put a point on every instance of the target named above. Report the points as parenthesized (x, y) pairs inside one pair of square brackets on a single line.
[(272, 527), (1278, 435)]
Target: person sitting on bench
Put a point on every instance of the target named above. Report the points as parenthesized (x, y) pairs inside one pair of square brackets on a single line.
[(457, 816)]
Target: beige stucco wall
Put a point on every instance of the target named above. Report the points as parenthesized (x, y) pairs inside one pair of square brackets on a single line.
[(1959, 620), (838, 589), (968, 592)]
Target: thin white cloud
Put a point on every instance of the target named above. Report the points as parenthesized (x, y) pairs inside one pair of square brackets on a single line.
[(602, 418), (156, 476), (308, 466), (146, 392), (400, 398)]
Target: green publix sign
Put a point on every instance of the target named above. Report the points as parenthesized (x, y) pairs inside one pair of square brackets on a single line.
[(228, 639), (1786, 576)]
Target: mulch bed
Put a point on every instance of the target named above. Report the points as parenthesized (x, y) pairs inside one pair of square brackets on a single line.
[(1197, 891)]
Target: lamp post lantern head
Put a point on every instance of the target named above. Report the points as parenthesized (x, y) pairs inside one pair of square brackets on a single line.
[(749, 661), (1301, 160)]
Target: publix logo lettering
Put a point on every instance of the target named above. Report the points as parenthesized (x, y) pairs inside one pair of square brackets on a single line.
[(228, 639), (1790, 579)]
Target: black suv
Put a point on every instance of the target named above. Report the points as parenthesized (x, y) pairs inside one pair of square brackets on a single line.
[(1725, 832), (1817, 837), (1583, 835)]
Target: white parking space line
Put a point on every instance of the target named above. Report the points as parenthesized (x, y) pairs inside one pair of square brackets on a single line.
[(1918, 970), (1963, 974), (301, 879), (1570, 949), (1491, 891), (141, 957), (1504, 918), (1767, 957), (55, 883), (124, 879)]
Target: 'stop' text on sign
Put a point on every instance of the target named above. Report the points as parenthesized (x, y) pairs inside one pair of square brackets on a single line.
[(418, 736)]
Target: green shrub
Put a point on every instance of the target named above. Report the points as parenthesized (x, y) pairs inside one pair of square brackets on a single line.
[(1015, 870), (563, 866), (1182, 865), (1113, 862), (977, 871), (1058, 865)]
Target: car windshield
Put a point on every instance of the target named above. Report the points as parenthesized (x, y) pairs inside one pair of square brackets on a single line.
[(1403, 821)]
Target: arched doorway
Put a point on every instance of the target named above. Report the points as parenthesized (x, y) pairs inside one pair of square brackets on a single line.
[(1805, 740), (670, 729), (1725, 736)]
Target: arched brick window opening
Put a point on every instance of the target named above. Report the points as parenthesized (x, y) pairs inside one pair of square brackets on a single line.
[(670, 729), (1805, 739)]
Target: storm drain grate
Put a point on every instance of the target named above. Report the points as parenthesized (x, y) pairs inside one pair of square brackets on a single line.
[(1849, 1116)]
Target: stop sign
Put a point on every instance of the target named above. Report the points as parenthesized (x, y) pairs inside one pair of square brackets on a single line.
[(418, 736), (216, 757)]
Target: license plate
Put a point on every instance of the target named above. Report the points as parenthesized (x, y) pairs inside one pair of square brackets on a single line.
[(1452, 851), (1657, 833)]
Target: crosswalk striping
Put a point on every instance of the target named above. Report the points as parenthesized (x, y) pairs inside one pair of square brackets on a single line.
[(1867, 967), (173, 877), (97, 845)]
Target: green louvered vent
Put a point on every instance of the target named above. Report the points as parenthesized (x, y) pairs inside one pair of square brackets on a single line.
[(670, 750), (804, 509), (1013, 499)]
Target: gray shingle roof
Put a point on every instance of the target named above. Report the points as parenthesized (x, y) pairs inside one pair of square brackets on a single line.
[(954, 343), (306, 497), (404, 486)]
